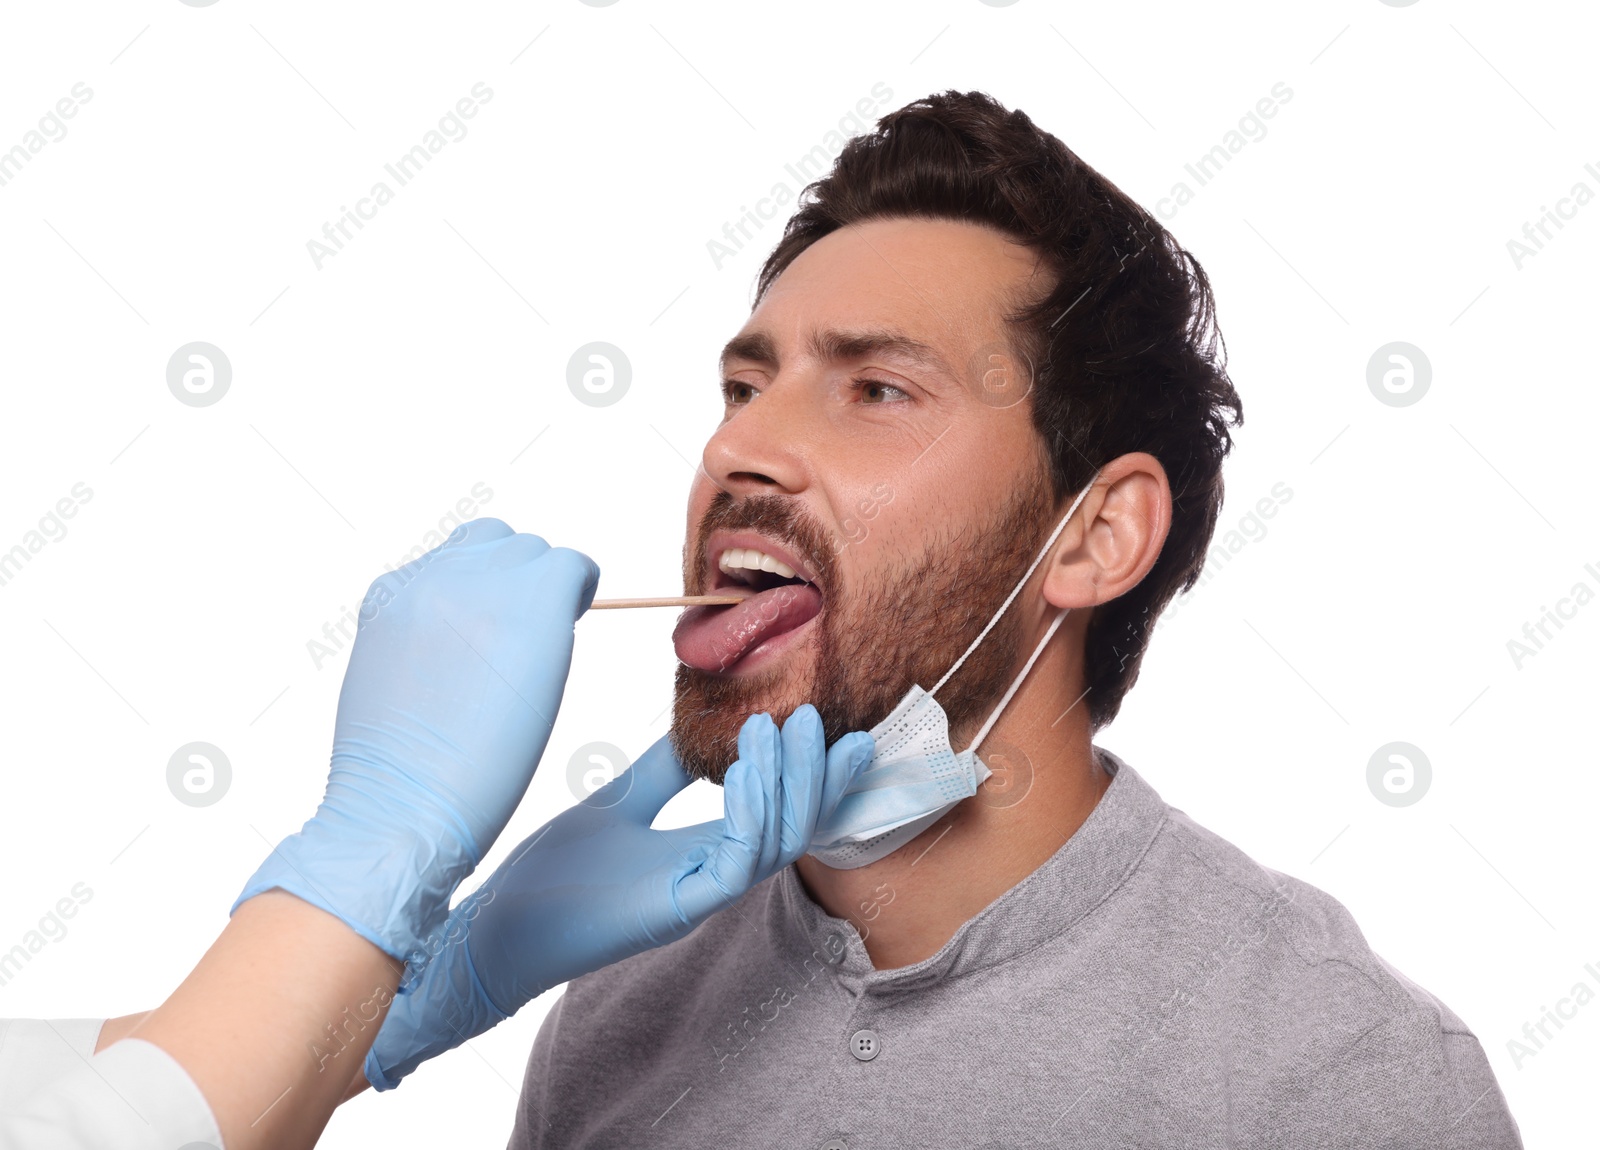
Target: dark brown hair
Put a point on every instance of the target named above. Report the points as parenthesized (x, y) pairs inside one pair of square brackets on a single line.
[(1124, 346)]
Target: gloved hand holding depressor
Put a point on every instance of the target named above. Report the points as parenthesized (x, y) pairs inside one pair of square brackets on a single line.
[(457, 671), (597, 883)]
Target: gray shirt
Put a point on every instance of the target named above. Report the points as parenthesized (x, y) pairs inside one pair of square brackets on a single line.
[(1148, 985)]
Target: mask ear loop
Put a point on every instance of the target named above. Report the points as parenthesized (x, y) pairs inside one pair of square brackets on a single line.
[(994, 715), (1026, 575)]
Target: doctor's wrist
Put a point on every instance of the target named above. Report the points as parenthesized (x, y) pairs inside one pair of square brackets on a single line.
[(392, 887)]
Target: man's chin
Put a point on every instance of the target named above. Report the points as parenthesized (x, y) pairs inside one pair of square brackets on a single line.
[(709, 710)]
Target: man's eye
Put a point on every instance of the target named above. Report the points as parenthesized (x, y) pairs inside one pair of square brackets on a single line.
[(734, 391), (876, 391)]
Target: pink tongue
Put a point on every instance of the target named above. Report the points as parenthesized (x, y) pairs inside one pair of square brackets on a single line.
[(715, 638)]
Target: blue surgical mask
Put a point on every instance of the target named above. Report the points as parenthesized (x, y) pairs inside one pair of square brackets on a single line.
[(916, 776)]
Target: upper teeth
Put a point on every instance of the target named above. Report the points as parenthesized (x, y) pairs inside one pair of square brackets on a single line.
[(748, 558)]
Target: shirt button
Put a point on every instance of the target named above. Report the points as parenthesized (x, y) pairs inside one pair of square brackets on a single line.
[(834, 1144), (833, 949), (864, 1045)]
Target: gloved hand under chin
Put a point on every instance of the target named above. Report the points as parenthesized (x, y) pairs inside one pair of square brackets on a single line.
[(455, 676), (597, 884)]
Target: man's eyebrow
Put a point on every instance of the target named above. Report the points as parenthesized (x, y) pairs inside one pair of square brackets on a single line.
[(755, 346), (833, 345)]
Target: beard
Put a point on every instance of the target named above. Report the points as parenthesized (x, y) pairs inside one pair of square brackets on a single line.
[(905, 624)]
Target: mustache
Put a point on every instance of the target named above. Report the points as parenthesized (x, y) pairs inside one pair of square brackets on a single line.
[(776, 516)]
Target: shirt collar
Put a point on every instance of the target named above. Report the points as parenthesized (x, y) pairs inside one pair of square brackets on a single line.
[(1067, 886)]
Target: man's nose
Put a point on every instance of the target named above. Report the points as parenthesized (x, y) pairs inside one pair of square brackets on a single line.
[(762, 448)]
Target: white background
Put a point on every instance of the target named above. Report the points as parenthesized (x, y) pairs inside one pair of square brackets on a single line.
[(372, 394)]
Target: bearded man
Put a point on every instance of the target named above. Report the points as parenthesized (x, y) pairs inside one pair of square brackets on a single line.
[(972, 445)]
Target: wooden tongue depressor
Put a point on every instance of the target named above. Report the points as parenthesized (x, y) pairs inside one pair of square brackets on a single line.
[(670, 601)]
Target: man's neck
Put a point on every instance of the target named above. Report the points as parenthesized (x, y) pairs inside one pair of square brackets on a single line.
[(908, 904)]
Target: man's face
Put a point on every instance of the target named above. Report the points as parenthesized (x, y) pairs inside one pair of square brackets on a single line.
[(875, 489)]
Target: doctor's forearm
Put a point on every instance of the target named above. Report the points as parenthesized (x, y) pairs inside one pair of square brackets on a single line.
[(275, 1019), (114, 1029)]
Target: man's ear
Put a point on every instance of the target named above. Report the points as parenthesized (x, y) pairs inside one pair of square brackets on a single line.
[(1115, 535)]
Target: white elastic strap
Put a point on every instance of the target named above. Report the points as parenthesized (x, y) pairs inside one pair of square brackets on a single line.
[(994, 715), (1028, 574)]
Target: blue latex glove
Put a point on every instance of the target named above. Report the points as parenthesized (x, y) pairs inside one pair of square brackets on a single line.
[(455, 676), (597, 884)]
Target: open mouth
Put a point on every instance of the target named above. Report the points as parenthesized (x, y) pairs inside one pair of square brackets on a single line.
[(783, 597)]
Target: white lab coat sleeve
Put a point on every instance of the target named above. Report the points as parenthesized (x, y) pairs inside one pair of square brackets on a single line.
[(132, 1096), (35, 1050)]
